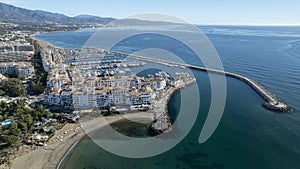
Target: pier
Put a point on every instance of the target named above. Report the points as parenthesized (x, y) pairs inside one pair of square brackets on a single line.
[(272, 102)]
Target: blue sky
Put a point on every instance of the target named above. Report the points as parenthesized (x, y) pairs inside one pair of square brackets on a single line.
[(220, 12)]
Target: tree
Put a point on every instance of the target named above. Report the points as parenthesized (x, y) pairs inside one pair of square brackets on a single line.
[(21, 77), (23, 126), (3, 106), (13, 124), (39, 89), (40, 112), (12, 87), (43, 112), (11, 139), (2, 92), (5, 116), (28, 120), (14, 131)]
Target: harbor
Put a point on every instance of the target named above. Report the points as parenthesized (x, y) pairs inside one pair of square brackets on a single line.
[(272, 102), (244, 120), (78, 80)]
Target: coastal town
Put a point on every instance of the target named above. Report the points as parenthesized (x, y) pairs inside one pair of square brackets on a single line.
[(106, 83), (22, 118), (149, 84), (53, 85), (25, 122), (44, 90)]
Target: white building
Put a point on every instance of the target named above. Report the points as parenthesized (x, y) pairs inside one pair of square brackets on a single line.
[(84, 98), (18, 68), (141, 99), (158, 84), (52, 98), (102, 100), (103, 92)]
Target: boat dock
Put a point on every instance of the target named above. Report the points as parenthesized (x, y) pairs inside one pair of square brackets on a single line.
[(272, 102)]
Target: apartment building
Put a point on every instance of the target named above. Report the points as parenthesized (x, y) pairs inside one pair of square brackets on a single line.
[(17, 68)]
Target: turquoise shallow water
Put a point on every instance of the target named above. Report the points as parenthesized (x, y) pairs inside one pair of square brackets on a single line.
[(248, 135)]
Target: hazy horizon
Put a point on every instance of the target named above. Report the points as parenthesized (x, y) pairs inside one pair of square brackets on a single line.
[(254, 13)]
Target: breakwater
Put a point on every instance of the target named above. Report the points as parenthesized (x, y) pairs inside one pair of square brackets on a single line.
[(162, 120), (272, 102)]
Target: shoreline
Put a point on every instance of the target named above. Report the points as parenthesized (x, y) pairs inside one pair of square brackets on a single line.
[(44, 44), (47, 44), (47, 157), (163, 119), (69, 144), (50, 155), (162, 122), (62, 143), (41, 43), (67, 153), (102, 122)]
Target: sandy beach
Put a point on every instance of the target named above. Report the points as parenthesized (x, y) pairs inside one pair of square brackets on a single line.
[(49, 157)]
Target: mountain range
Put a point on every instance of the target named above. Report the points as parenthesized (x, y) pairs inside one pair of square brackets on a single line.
[(12, 14)]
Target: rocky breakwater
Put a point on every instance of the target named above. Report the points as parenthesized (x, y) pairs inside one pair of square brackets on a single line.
[(272, 102), (278, 106), (162, 121)]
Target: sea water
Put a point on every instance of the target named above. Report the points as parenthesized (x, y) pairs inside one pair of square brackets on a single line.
[(248, 135)]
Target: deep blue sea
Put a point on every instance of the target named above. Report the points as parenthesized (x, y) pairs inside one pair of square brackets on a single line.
[(248, 135)]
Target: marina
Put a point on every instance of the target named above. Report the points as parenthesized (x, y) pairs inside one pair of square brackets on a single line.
[(272, 102), (244, 120), (110, 67)]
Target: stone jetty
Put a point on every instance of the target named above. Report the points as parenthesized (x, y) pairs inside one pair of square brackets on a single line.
[(272, 102), (162, 121)]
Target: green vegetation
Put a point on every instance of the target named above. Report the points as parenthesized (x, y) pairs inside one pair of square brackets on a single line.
[(38, 89), (16, 76), (39, 82), (19, 123), (11, 87), (22, 121)]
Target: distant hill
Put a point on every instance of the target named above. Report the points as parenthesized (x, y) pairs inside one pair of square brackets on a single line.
[(12, 14)]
